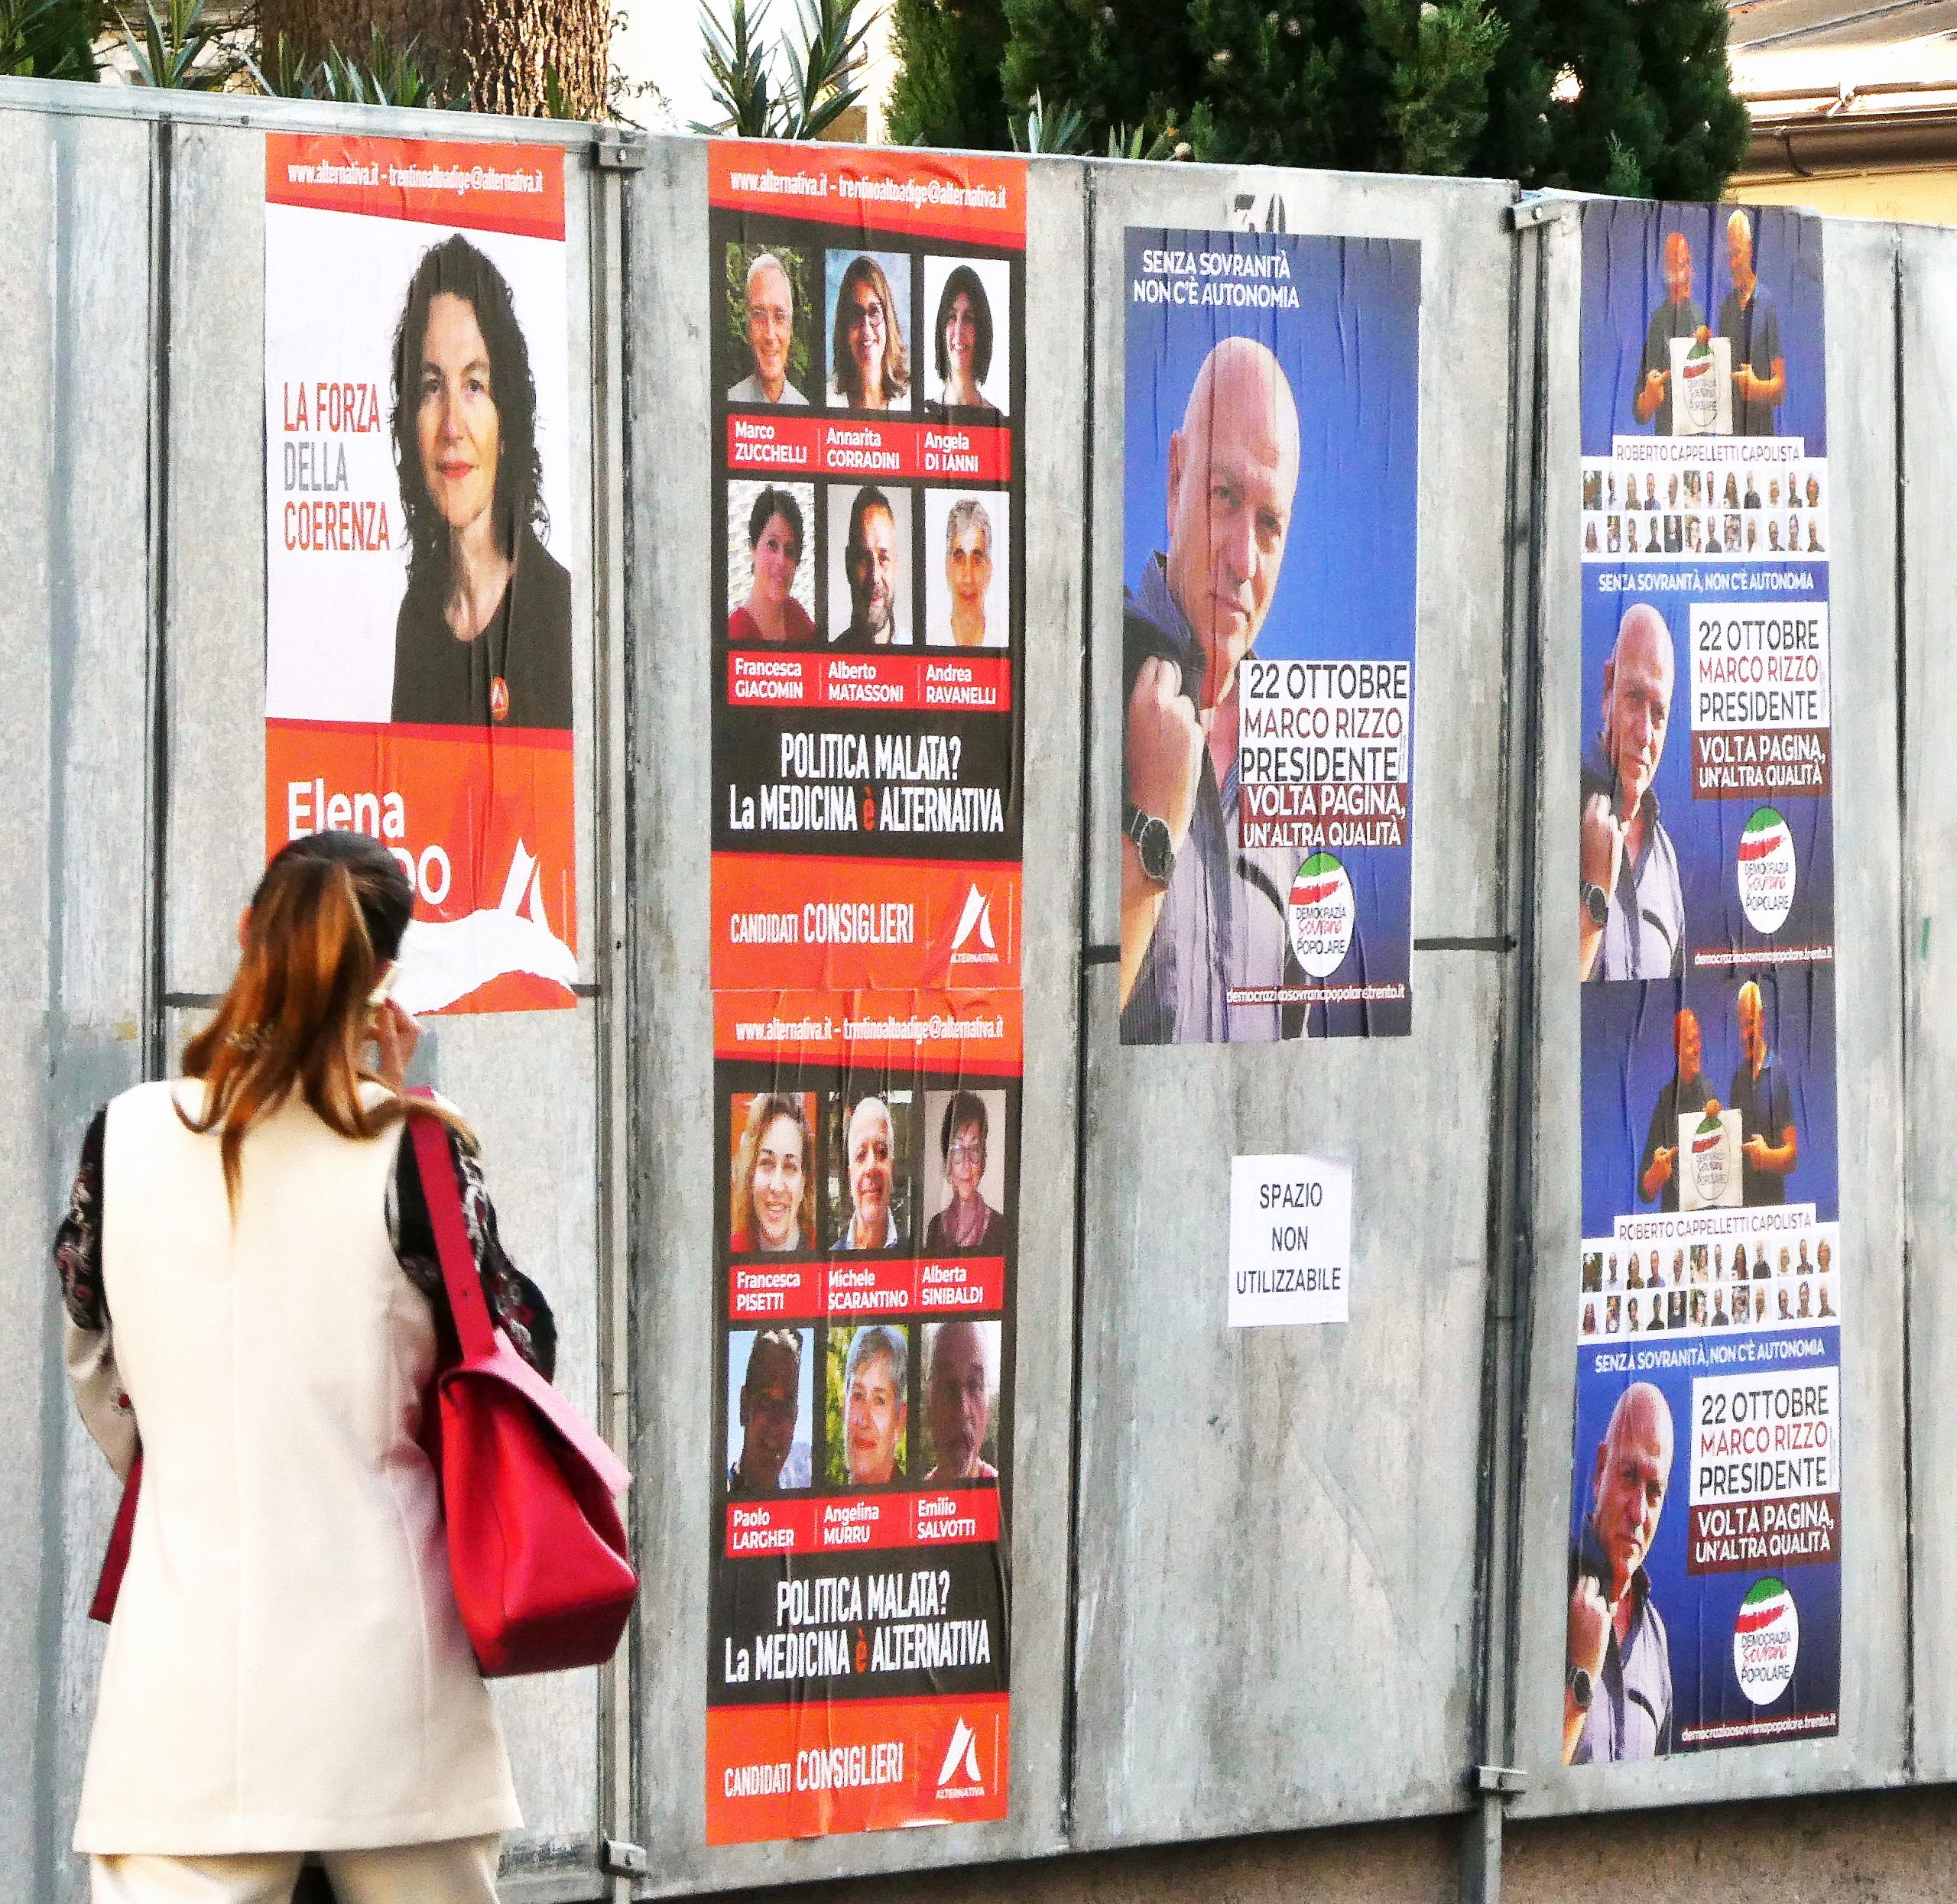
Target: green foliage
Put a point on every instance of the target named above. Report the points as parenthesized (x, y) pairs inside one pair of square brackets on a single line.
[(1370, 85), (802, 280), (949, 91), (178, 46), (1588, 95), (392, 75), (1647, 108), (742, 69), (49, 39)]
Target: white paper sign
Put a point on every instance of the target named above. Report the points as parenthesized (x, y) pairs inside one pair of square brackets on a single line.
[(1290, 1240), (1708, 1167), (1702, 388)]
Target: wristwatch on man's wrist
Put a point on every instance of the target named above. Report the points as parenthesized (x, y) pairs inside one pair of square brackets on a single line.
[(1582, 1687), (1596, 903), (1151, 842)]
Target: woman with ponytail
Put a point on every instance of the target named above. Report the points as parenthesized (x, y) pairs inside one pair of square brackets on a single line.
[(254, 1303)]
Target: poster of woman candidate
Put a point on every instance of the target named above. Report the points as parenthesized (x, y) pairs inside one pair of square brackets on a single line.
[(1705, 1517), (420, 629), (1270, 543)]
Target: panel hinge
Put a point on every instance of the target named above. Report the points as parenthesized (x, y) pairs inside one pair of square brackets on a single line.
[(609, 153), (1540, 207), (1504, 1780), (617, 1859)]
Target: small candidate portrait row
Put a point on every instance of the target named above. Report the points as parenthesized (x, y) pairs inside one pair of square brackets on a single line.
[(832, 1406), (866, 354), (885, 1170), (1749, 532), (900, 566), (1762, 1278), (1700, 486)]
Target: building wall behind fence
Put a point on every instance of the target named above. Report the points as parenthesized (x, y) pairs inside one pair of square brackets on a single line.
[(1262, 1579)]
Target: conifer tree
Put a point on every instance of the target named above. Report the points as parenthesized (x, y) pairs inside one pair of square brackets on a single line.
[(1369, 85), (949, 91), (1623, 96), (1601, 95)]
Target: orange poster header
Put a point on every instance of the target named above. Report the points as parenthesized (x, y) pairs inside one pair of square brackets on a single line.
[(849, 1765), (517, 189), (975, 200)]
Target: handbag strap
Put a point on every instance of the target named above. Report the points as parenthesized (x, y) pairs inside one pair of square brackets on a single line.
[(441, 1190)]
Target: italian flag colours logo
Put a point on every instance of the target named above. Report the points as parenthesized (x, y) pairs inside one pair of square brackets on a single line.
[(1765, 867), (1767, 1641), (1321, 914)]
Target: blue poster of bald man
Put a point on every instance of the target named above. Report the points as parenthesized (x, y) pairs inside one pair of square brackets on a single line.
[(1270, 563)]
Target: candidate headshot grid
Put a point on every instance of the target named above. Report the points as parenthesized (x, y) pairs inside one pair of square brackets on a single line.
[(863, 334), (866, 1227)]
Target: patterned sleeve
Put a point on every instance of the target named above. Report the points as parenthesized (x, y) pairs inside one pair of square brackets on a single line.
[(514, 1301), (88, 1346)]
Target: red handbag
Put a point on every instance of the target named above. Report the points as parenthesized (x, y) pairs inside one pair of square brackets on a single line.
[(536, 1549)]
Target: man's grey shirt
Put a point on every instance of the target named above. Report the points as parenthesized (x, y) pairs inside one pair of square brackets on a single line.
[(1222, 919), (749, 390), (1631, 1705), (1644, 931)]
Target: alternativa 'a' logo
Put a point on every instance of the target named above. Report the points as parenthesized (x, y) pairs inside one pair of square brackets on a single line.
[(974, 922), (1709, 1158), (1767, 1641), (1321, 913), (958, 1776), (1765, 869)]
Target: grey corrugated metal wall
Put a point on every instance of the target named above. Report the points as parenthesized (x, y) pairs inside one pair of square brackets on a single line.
[(1262, 1579)]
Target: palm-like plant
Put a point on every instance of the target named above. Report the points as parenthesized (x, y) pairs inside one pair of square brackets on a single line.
[(49, 39), (390, 76), (174, 45), (823, 70)]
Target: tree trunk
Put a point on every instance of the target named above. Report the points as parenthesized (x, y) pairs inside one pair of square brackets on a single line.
[(501, 49)]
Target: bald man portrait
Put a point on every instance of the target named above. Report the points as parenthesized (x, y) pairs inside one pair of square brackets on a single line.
[(1617, 1701), (1198, 915), (1679, 315), (1632, 923)]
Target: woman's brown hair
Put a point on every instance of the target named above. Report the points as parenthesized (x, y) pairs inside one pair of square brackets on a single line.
[(328, 917), (864, 270), (763, 1111)]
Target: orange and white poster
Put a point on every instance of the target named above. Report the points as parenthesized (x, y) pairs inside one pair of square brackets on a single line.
[(420, 627), (867, 319)]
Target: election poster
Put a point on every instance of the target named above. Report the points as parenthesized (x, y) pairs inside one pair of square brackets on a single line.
[(420, 627), (866, 646), (1271, 562), (1706, 1499)]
